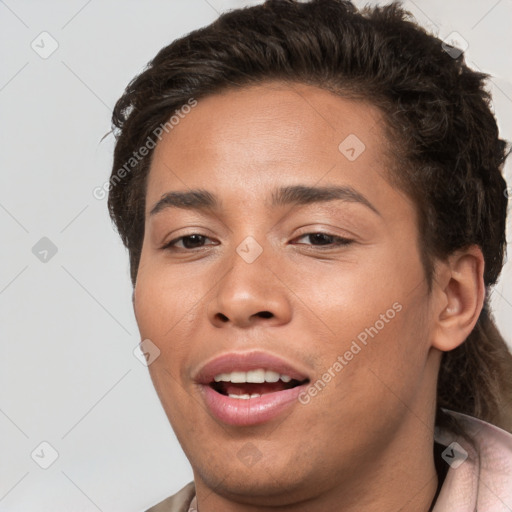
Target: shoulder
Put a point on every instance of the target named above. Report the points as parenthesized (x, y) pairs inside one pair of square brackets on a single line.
[(179, 502), (480, 475)]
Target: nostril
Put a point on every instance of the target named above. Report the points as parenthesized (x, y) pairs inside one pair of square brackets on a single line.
[(262, 314)]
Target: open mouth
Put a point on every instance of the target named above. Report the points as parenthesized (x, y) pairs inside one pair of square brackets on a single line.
[(253, 384), (250, 388)]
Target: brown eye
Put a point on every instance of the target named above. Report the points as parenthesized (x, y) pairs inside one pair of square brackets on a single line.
[(193, 241), (324, 239)]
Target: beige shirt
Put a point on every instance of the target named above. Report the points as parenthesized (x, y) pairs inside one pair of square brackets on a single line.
[(478, 479)]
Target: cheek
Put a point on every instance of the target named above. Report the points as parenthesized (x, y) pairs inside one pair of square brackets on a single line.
[(163, 316), (170, 305), (378, 317), (390, 359), (353, 302), (164, 300)]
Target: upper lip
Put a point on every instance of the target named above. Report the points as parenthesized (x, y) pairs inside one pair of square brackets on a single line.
[(245, 361)]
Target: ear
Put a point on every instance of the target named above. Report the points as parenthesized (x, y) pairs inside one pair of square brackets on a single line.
[(459, 294)]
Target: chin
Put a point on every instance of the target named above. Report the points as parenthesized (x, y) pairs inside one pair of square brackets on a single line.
[(258, 488), (265, 483)]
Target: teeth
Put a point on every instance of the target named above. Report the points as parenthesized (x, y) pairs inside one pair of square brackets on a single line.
[(238, 377), (257, 376), (245, 396), (271, 376), (254, 376)]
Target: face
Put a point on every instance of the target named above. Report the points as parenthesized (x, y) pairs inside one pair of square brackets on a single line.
[(286, 294)]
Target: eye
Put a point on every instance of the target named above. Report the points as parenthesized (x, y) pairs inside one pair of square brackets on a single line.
[(324, 239), (188, 242), (198, 241)]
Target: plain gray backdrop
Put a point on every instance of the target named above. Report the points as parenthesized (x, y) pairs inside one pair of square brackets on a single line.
[(69, 378)]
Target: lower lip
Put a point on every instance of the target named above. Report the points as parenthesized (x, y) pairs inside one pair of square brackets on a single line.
[(250, 411)]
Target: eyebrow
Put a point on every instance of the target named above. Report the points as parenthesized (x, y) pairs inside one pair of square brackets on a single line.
[(191, 200), (200, 199)]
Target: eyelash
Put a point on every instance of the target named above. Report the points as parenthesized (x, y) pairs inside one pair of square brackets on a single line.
[(338, 241)]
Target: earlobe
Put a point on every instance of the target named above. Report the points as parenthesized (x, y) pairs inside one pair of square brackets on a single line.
[(461, 293)]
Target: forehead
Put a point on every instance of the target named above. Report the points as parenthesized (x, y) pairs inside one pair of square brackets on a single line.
[(270, 133)]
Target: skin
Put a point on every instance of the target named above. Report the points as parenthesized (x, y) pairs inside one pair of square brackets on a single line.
[(365, 441)]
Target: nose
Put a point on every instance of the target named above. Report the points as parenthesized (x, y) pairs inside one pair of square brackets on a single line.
[(250, 294)]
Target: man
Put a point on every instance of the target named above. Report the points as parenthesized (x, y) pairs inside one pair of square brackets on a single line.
[(313, 204)]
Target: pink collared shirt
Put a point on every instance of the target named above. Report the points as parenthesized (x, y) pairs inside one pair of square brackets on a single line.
[(483, 481)]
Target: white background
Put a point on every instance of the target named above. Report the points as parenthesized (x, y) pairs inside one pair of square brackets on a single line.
[(68, 373)]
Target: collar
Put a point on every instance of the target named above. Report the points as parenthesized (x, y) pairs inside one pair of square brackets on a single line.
[(480, 475)]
